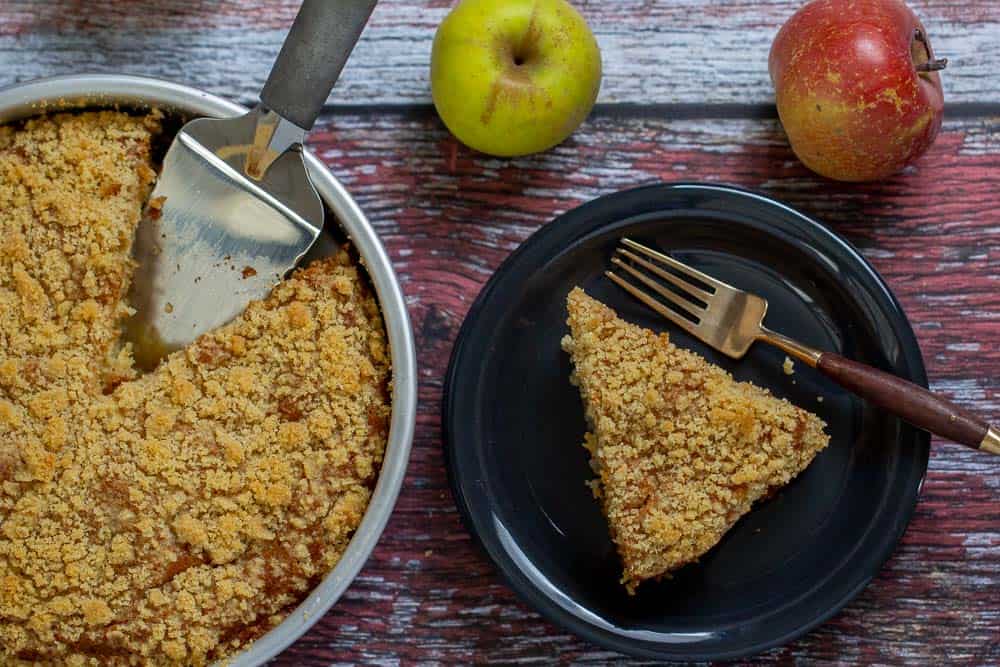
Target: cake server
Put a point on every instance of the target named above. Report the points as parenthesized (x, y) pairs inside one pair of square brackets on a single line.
[(233, 209), (731, 320)]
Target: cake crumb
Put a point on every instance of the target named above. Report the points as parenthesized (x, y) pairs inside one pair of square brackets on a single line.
[(788, 366), (155, 207)]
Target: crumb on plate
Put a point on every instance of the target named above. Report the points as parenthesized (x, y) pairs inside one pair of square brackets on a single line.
[(788, 366)]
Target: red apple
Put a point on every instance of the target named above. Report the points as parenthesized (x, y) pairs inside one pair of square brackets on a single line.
[(857, 87)]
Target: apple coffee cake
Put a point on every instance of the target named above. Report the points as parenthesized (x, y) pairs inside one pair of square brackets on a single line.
[(681, 450), (172, 517)]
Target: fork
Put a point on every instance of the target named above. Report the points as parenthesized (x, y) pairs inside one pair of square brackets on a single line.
[(731, 320)]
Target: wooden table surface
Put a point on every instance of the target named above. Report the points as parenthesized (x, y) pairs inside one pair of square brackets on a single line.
[(686, 96)]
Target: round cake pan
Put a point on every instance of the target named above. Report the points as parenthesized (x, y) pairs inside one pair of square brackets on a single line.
[(111, 90)]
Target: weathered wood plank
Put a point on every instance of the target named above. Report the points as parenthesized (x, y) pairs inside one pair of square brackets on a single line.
[(449, 217), (681, 51)]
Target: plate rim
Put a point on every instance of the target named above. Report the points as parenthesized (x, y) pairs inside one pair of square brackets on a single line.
[(514, 577)]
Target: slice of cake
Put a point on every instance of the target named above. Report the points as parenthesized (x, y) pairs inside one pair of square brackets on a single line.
[(680, 448)]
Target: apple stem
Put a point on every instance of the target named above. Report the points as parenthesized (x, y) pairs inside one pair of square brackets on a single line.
[(933, 65), (923, 57)]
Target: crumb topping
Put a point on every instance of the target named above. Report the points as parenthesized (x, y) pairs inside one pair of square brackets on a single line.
[(680, 449), (788, 366), (174, 517)]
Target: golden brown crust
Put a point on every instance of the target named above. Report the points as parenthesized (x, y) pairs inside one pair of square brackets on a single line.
[(174, 517), (681, 449)]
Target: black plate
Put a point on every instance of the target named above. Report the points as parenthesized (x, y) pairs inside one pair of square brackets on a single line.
[(514, 427)]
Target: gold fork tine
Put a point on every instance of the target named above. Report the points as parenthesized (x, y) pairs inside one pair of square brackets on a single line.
[(691, 309), (696, 292), (656, 305), (677, 266)]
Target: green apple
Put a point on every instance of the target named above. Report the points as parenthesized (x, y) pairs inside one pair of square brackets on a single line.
[(512, 77)]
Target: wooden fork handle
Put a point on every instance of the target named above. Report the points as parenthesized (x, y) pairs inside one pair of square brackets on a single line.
[(911, 402)]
